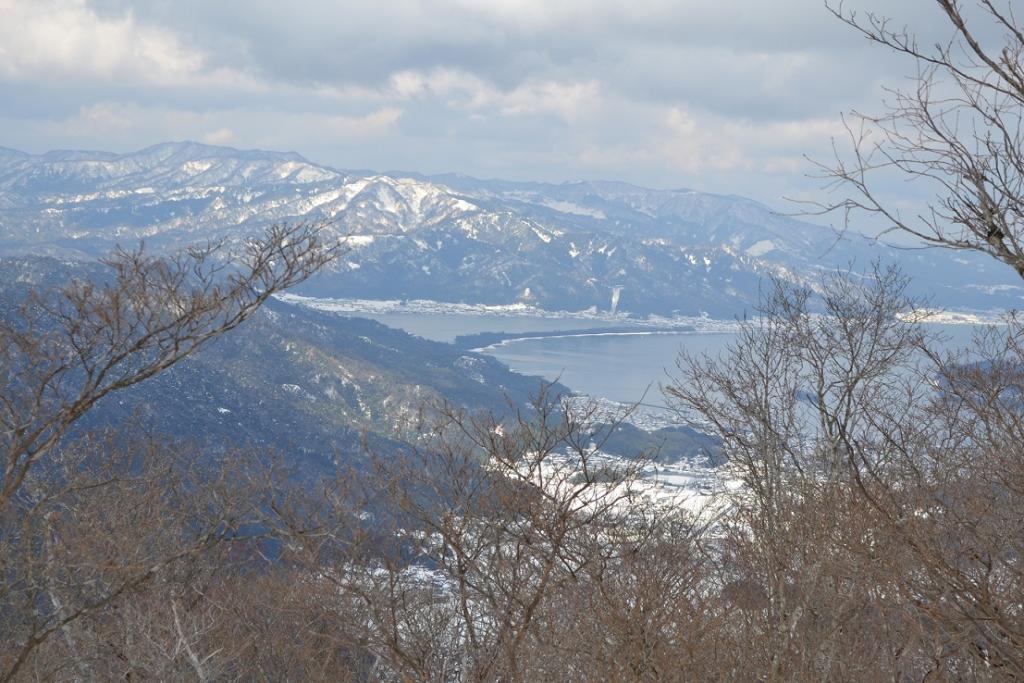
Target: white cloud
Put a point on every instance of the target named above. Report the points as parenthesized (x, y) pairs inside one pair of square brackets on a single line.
[(703, 148), (699, 141), (54, 39), (221, 136), (567, 100), (134, 126), (463, 90), (723, 95), (375, 124)]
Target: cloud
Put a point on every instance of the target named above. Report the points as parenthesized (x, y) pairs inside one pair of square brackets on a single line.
[(466, 91), (221, 136), (68, 37), (125, 126), (67, 40), (723, 95), (372, 125)]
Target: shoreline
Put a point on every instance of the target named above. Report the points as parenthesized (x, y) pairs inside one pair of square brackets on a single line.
[(667, 324), (431, 307), (572, 335)]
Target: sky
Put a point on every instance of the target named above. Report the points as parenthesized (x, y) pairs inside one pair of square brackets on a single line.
[(725, 96)]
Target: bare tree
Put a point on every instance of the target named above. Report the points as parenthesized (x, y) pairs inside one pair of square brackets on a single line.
[(643, 608), (61, 354), (957, 133), (87, 523), (876, 532), (479, 541), (143, 561)]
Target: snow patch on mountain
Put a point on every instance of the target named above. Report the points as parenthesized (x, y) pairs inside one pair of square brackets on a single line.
[(760, 248), (454, 238), (570, 207)]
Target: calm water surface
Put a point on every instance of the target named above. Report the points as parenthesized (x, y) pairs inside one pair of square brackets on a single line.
[(619, 367), (622, 367), (447, 326), (631, 367)]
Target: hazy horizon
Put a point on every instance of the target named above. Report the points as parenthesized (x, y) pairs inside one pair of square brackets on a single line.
[(717, 97)]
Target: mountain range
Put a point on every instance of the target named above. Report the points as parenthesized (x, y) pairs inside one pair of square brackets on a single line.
[(310, 384), (319, 387), (573, 246)]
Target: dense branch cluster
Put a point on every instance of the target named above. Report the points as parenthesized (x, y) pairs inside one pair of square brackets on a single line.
[(82, 527), (958, 135), (877, 531), (62, 352), (880, 521)]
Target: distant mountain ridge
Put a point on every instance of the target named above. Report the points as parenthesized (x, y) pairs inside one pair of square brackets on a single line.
[(316, 386), (451, 238)]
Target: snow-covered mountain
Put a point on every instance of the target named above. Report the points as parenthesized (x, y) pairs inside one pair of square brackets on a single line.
[(318, 387), (569, 246), (314, 386)]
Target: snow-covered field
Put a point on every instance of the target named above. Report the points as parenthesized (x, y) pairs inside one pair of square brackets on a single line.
[(938, 316), (429, 307), (694, 485)]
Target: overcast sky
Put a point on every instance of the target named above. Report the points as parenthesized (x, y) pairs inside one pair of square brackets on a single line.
[(717, 95)]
